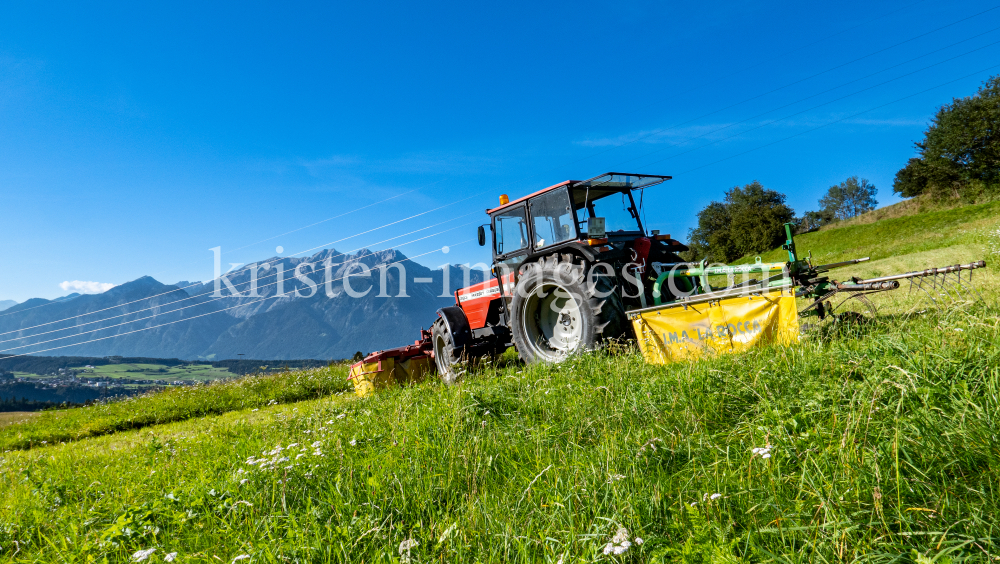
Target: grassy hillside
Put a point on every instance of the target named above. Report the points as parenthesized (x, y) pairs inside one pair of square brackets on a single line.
[(880, 444), (935, 238)]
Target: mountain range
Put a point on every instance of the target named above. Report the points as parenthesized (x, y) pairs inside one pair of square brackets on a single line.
[(7, 304), (316, 316)]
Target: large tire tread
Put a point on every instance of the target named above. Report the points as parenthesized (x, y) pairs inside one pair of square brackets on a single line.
[(606, 319)]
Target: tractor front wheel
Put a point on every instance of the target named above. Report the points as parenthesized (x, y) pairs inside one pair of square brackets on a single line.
[(448, 361), (557, 310)]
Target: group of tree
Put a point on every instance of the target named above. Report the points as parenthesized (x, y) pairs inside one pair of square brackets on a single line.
[(750, 220), (848, 199), (960, 152)]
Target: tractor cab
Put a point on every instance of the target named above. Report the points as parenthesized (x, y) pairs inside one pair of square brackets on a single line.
[(600, 212)]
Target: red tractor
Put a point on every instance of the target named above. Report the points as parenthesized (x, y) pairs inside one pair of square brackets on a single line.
[(568, 261)]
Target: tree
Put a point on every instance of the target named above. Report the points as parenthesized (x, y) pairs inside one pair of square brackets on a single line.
[(748, 221), (848, 199), (960, 148), (711, 237), (911, 180), (812, 220)]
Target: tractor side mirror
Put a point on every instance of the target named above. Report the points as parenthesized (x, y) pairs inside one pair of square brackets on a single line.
[(482, 236)]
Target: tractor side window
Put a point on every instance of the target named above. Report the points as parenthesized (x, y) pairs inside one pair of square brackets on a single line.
[(511, 228), (552, 218)]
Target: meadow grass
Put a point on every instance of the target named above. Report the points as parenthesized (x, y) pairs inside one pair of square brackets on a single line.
[(883, 445), (873, 443), (172, 404), (11, 417)]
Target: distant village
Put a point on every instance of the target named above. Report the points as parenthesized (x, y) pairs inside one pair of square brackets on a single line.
[(85, 377)]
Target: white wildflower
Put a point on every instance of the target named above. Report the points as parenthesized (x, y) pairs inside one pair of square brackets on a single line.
[(243, 481), (353, 442), (292, 445), (619, 549), (621, 535), (615, 477), (404, 549), (170, 557), (608, 548), (317, 444), (406, 545), (254, 409), (241, 557), (141, 555), (341, 416), (638, 541), (766, 455), (715, 496)]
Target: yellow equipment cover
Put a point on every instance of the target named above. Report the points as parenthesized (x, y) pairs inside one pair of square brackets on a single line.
[(677, 333), (372, 376)]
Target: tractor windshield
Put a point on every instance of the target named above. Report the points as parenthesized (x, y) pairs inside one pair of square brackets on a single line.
[(615, 206)]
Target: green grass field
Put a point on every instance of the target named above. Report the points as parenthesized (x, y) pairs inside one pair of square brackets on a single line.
[(11, 417), (880, 444)]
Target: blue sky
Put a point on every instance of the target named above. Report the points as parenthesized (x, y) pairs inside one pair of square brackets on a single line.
[(135, 137)]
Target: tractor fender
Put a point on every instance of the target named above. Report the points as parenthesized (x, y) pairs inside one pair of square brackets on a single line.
[(585, 252), (458, 325)]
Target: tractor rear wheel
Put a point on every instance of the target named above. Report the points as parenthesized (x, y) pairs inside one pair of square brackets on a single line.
[(448, 361), (557, 310)]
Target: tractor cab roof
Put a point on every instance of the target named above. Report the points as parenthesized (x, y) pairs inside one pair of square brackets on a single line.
[(597, 187)]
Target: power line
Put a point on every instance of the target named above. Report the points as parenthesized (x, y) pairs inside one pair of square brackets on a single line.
[(190, 318), (675, 126), (192, 285), (802, 111), (332, 218), (839, 120), (271, 262), (185, 307), (250, 282), (786, 53)]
